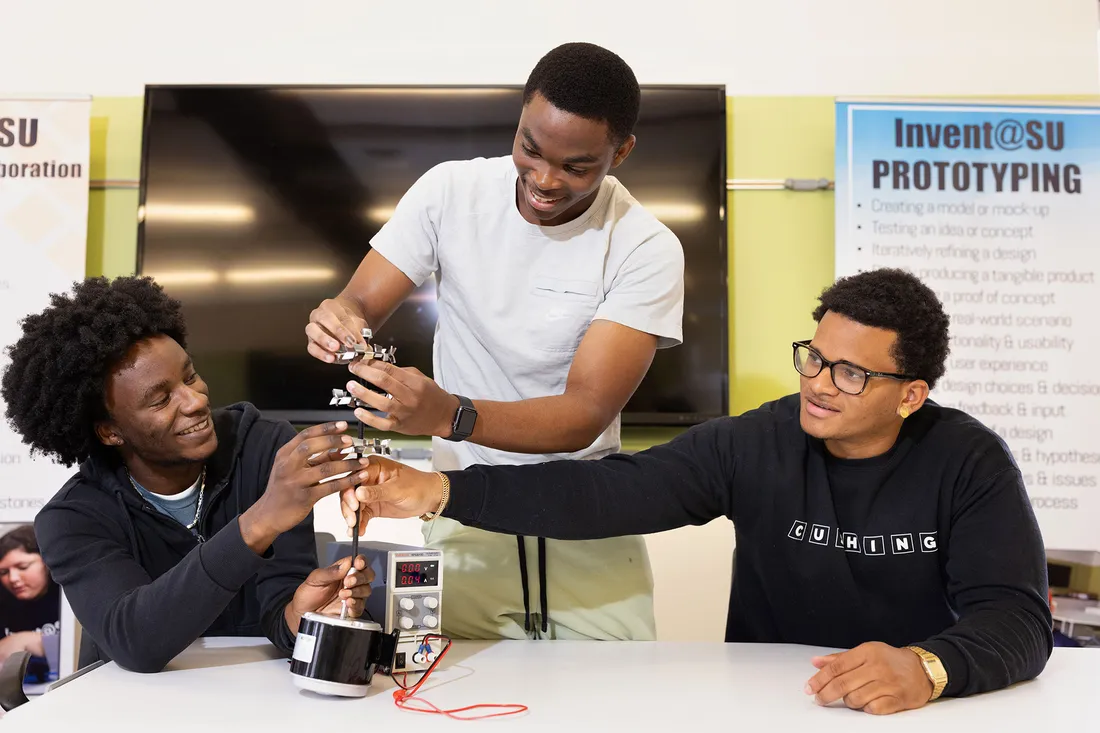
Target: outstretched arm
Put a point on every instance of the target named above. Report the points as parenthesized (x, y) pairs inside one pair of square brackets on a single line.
[(687, 481)]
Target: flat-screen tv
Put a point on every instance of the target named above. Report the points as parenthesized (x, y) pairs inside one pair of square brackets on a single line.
[(258, 202), (1058, 575)]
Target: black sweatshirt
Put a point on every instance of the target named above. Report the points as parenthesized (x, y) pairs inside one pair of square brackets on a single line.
[(934, 543), (142, 586)]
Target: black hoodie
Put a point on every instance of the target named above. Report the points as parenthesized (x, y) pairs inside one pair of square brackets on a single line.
[(142, 586)]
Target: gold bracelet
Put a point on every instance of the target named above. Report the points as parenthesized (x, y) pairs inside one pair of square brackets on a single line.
[(429, 516)]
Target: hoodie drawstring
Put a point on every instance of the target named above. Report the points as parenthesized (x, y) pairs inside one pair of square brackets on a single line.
[(542, 584), (524, 580)]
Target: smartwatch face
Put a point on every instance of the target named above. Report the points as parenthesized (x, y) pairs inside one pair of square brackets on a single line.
[(465, 422)]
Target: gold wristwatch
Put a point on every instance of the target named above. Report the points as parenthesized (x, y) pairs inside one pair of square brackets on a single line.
[(934, 668)]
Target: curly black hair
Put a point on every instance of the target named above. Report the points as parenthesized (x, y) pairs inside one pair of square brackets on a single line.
[(53, 387), (590, 82), (897, 301)]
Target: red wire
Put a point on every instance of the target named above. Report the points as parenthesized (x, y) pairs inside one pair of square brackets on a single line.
[(403, 697)]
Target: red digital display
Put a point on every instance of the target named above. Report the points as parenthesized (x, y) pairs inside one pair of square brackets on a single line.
[(411, 574)]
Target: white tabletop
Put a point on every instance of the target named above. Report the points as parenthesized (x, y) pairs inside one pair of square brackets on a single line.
[(238, 685), (1075, 611)]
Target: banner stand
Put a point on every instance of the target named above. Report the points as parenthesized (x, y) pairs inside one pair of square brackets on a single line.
[(44, 175), (993, 206)]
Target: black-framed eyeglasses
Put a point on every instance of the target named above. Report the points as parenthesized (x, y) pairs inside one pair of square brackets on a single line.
[(848, 377)]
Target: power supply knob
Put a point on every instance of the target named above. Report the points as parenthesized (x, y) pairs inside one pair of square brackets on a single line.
[(406, 622), (430, 602), (406, 604), (430, 621)]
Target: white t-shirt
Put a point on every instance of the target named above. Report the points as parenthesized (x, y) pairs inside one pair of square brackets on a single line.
[(515, 299)]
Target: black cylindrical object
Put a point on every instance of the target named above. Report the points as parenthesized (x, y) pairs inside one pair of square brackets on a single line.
[(335, 656)]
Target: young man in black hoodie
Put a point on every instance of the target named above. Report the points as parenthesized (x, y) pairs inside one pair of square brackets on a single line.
[(867, 517), (182, 521)]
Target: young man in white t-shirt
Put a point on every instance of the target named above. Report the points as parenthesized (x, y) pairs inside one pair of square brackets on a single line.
[(555, 289)]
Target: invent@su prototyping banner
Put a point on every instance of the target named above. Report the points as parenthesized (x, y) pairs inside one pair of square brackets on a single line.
[(997, 209), (44, 158)]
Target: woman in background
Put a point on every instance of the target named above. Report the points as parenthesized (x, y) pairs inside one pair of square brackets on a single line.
[(30, 604)]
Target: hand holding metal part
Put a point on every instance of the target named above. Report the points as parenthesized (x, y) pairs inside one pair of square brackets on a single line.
[(366, 349)]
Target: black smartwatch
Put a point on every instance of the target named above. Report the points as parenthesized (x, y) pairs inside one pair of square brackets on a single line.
[(463, 425)]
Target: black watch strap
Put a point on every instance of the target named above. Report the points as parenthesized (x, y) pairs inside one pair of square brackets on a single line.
[(463, 424)]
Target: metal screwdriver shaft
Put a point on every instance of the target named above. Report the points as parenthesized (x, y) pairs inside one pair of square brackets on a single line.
[(354, 539)]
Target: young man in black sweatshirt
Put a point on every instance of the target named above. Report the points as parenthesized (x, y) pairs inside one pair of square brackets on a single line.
[(868, 518), (182, 521)]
